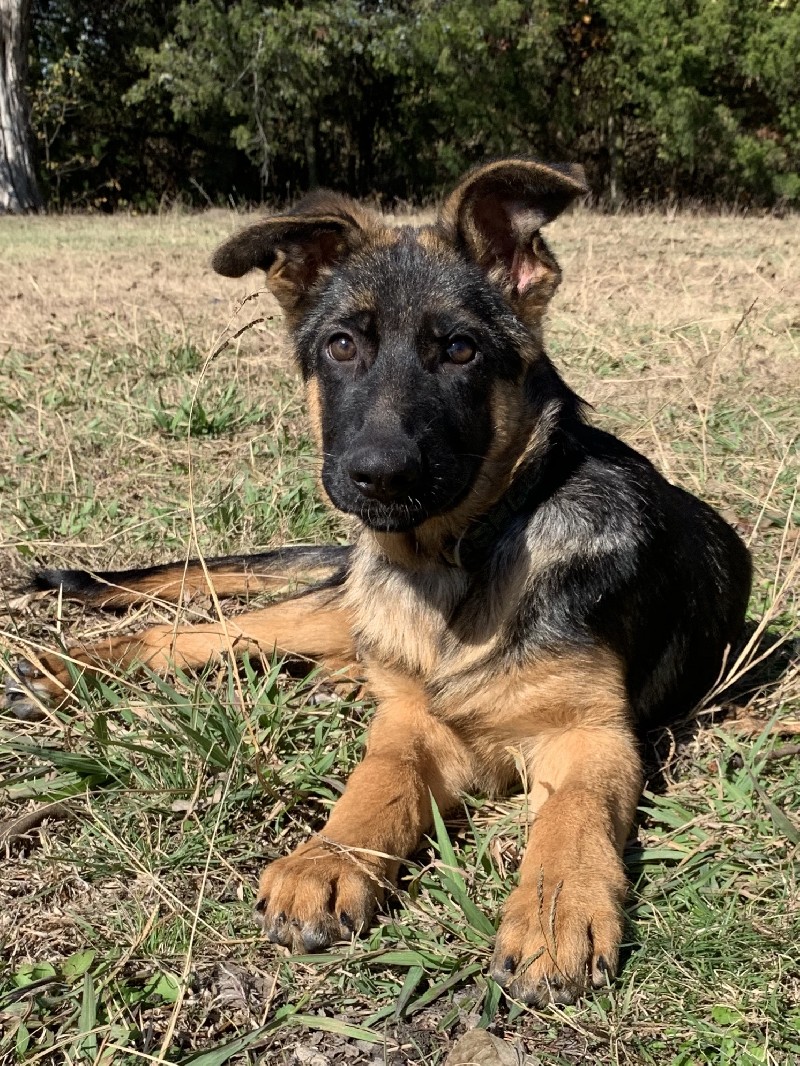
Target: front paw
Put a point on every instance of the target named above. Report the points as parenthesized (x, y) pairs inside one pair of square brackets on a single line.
[(321, 893), (560, 935)]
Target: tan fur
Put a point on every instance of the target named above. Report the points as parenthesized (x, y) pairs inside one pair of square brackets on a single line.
[(447, 723), (565, 716), (331, 885), (400, 613), (317, 626), (315, 416), (435, 240), (562, 925)]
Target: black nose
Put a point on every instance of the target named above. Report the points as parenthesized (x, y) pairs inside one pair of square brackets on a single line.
[(384, 475)]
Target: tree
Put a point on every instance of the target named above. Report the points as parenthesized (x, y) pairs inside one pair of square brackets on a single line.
[(18, 190), (95, 147)]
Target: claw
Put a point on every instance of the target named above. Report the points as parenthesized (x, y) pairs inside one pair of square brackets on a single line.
[(18, 697), (26, 670)]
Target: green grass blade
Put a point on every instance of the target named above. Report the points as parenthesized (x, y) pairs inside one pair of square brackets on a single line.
[(87, 1019), (334, 1025), (452, 878), (414, 975), (223, 1053)]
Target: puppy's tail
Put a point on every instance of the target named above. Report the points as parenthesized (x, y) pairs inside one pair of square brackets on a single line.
[(232, 575)]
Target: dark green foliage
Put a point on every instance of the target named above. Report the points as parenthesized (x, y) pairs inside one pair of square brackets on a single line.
[(706, 95), (96, 147), (212, 99)]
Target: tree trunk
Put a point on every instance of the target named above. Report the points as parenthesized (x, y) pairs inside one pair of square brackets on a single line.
[(615, 148), (311, 155), (18, 190)]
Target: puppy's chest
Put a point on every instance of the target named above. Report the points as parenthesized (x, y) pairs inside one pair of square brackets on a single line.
[(419, 621)]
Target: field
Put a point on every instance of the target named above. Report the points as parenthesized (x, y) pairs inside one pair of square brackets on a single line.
[(135, 818)]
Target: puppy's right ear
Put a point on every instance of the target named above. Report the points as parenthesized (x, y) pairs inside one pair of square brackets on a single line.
[(296, 249)]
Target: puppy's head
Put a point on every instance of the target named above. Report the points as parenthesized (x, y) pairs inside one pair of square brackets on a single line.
[(411, 340)]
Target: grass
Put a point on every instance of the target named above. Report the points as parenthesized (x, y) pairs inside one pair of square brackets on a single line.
[(138, 816)]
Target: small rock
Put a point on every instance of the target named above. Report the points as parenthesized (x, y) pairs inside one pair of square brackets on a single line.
[(479, 1048), (309, 1056)]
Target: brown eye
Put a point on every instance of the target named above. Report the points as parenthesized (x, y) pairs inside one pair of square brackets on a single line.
[(460, 350), (342, 348)]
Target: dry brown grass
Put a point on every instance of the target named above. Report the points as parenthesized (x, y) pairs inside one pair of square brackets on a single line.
[(683, 331)]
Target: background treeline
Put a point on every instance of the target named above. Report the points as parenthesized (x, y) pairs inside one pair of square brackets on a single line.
[(140, 102)]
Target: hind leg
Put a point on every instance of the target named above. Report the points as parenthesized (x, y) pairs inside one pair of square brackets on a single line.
[(315, 626)]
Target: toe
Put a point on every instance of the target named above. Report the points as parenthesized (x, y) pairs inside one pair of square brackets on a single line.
[(602, 971), (504, 968), (26, 670), (313, 898), (319, 933), (356, 898), (279, 930)]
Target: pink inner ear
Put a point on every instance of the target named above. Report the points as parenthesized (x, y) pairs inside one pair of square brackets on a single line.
[(527, 270)]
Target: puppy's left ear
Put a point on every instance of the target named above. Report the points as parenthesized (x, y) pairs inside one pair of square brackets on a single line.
[(494, 216)]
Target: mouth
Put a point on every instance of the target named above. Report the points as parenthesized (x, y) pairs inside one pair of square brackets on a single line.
[(401, 513), (399, 516)]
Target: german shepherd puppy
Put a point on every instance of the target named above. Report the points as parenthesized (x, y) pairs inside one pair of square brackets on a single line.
[(524, 588)]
